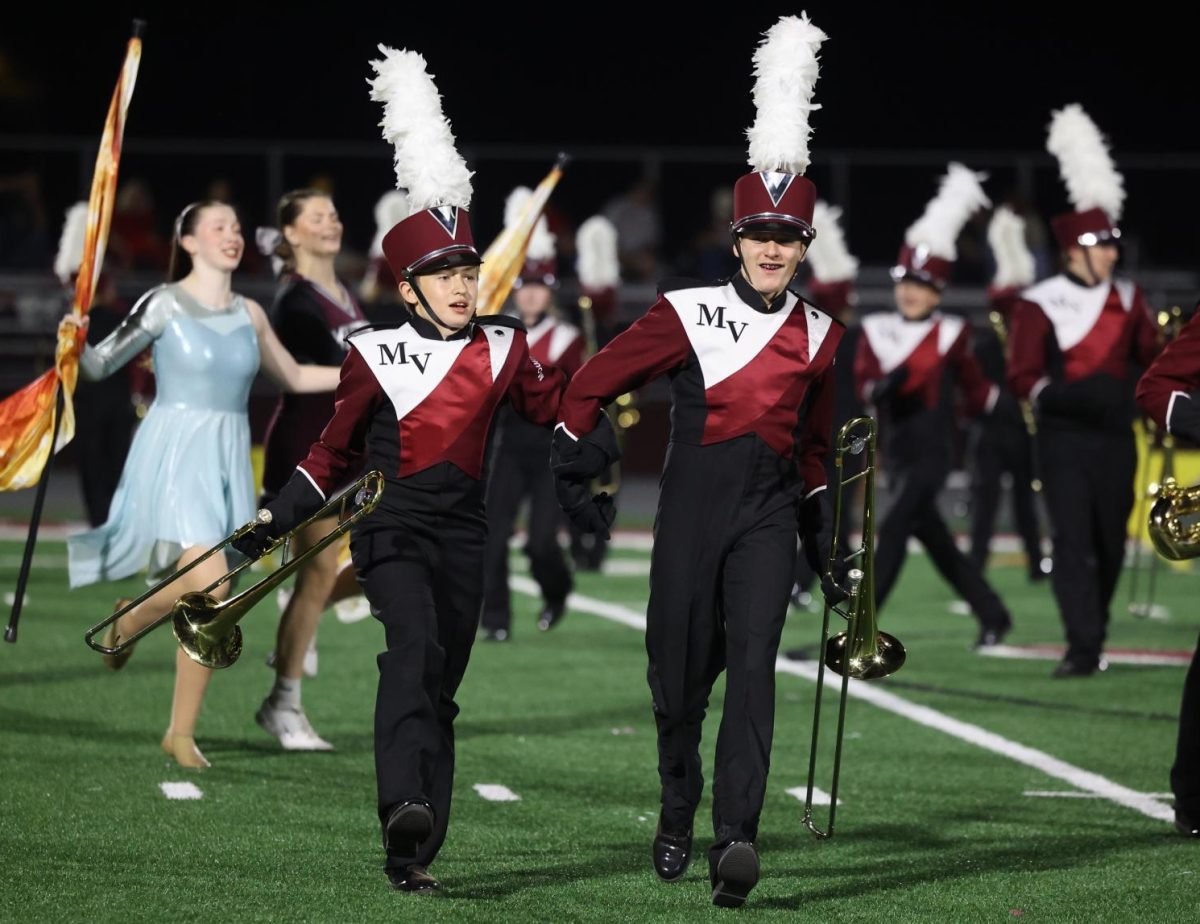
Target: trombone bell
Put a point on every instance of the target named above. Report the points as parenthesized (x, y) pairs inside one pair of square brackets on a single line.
[(205, 637), (887, 657)]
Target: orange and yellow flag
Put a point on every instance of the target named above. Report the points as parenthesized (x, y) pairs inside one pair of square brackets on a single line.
[(502, 261), (27, 417)]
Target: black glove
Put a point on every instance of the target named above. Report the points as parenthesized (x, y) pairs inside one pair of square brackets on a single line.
[(884, 388), (255, 544), (1098, 399), (587, 457), (589, 514), (298, 500), (1185, 418), (831, 586)]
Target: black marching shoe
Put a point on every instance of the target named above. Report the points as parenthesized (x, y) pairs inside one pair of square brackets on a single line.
[(672, 853), (1068, 668), (413, 879), (495, 635), (408, 826), (734, 874), (993, 634), (1187, 825), (551, 614)]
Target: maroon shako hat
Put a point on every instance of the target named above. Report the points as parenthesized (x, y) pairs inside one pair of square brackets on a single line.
[(1085, 229), (430, 240), (930, 243), (774, 201), (776, 196), (1094, 186)]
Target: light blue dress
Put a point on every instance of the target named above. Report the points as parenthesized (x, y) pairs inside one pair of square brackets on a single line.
[(187, 480)]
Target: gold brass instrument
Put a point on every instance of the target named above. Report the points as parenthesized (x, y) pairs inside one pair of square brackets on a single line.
[(207, 628), (1001, 328), (1169, 322), (623, 413), (1172, 538), (862, 651)]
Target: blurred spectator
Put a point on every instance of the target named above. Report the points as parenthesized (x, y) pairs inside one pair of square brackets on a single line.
[(134, 242), (639, 230), (23, 234)]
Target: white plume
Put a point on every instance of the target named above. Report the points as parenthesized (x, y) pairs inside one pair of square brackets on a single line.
[(427, 163), (541, 242), (959, 196), (596, 246), (831, 261), (70, 244), (1014, 260), (391, 209), (786, 68), (1084, 162)]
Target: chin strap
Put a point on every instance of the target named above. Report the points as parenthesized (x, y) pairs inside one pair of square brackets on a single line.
[(412, 281)]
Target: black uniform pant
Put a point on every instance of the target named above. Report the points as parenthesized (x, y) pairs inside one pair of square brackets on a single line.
[(521, 470), (720, 575), (421, 570), (999, 447), (913, 512), (1088, 477), (1185, 774)]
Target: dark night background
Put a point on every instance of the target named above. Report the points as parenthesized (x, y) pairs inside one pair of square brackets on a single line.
[(970, 81)]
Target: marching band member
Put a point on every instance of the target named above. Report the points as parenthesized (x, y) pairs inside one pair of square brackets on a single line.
[(909, 362), (750, 365), (1169, 393), (1074, 337), (417, 400), (187, 483)]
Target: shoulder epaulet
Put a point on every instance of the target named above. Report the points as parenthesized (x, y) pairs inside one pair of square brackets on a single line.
[(813, 306), (676, 283), (501, 320)]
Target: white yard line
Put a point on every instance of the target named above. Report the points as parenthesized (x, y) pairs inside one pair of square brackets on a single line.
[(1167, 659), (820, 796), (181, 790), (964, 731), (494, 792), (1051, 794)]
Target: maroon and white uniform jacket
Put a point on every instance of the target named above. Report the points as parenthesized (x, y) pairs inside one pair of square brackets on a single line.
[(1168, 392), (410, 401), (554, 342), (935, 352), (1065, 332), (737, 367)]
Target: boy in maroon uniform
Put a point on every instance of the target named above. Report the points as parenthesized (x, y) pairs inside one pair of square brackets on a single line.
[(417, 400), (1074, 338)]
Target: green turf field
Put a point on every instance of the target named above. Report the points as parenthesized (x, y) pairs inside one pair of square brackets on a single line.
[(932, 827)]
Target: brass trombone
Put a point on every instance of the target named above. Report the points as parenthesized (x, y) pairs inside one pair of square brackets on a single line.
[(862, 651), (207, 628)]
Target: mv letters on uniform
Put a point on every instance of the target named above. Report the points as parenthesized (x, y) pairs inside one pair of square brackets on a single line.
[(399, 356), (716, 318)]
